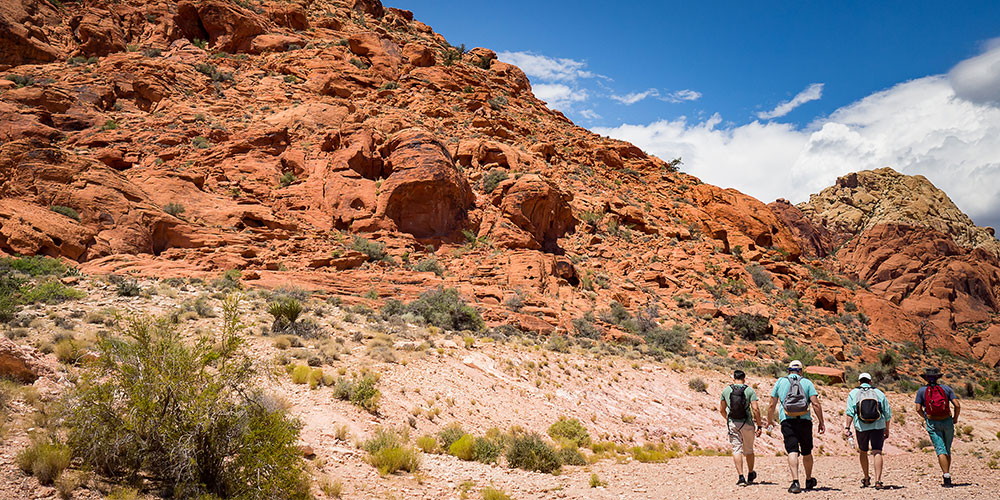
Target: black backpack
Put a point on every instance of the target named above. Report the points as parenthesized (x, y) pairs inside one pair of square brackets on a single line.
[(868, 408), (739, 407)]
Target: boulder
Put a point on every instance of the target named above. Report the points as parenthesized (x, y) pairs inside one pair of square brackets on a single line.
[(225, 25), (815, 240), (23, 42), (540, 208), (834, 375), (418, 55), (425, 195), (20, 363)]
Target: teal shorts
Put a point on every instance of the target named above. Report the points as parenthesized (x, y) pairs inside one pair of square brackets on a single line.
[(941, 432)]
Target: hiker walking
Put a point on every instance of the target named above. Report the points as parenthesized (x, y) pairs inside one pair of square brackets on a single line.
[(738, 406), (868, 415), (934, 402), (797, 395)]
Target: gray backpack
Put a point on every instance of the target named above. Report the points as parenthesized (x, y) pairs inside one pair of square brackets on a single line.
[(796, 403)]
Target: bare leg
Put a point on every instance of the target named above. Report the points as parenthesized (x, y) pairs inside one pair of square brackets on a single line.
[(807, 463), (945, 462), (793, 465), (749, 463), (738, 460), (863, 455), (878, 466)]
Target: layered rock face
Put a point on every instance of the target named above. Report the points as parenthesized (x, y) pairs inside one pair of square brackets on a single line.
[(916, 249), (863, 200), (276, 136)]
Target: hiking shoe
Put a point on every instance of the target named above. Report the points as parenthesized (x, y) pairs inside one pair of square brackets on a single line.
[(879, 485), (947, 482), (751, 477), (810, 483), (742, 481), (866, 482), (794, 488)]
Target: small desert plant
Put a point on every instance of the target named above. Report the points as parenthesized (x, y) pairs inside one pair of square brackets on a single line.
[(212, 72), (67, 211), (761, 277), (285, 311), (175, 209), (109, 125), (128, 288), (287, 179), (388, 452), (375, 250), (595, 481), (462, 448), (429, 264), (571, 430), (444, 308), (449, 434), (362, 392), (493, 179), (200, 142), (491, 493), (531, 452), (698, 385), (45, 460), (427, 443), (749, 326)]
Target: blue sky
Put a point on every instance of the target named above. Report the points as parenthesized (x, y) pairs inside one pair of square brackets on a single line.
[(744, 90)]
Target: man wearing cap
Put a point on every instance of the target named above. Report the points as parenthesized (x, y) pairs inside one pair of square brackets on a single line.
[(797, 395), (868, 414), (934, 404)]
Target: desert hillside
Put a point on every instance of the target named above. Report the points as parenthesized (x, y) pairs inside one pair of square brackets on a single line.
[(400, 214)]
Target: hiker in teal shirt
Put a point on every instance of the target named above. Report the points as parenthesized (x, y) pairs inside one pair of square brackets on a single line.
[(871, 423), (796, 430)]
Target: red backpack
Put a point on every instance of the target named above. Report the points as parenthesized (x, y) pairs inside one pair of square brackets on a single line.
[(936, 402)]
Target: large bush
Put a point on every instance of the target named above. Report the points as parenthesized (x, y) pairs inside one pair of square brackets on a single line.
[(750, 326), (531, 452), (444, 308), (187, 416), (571, 430)]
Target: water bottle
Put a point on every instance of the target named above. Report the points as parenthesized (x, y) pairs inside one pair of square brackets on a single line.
[(850, 441)]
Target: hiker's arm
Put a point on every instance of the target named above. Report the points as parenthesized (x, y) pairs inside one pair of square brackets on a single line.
[(771, 411), (722, 409), (887, 423), (958, 409), (819, 413), (920, 411), (755, 408), (887, 412), (848, 423)]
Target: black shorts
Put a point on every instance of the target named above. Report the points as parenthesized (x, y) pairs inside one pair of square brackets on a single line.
[(874, 437), (798, 434)]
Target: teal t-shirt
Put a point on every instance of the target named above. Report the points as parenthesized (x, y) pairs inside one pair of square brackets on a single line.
[(781, 390), (751, 397), (852, 402)]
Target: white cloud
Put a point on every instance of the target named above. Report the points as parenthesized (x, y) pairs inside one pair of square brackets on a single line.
[(683, 95), (546, 68), (978, 79), (811, 93), (558, 95), (916, 127), (590, 114), (634, 97)]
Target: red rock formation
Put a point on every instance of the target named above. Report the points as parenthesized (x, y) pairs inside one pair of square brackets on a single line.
[(815, 240)]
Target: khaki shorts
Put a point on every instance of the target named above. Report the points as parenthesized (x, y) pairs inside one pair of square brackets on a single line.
[(741, 435)]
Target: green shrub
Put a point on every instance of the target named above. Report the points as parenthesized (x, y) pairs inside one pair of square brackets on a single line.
[(427, 443), (212, 72), (300, 374), (67, 211), (21, 80), (45, 460), (175, 209), (200, 142), (802, 353), (442, 307), (229, 280), (569, 429), (389, 453), (491, 493), (530, 452), (674, 339), (750, 326), (487, 450), (649, 453), (34, 266), (761, 277), (429, 264), (362, 392), (285, 311), (595, 481), (462, 448), (375, 250), (570, 455), (287, 179), (449, 434), (358, 63), (49, 292), (188, 416), (128, 288), (493, 179)]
